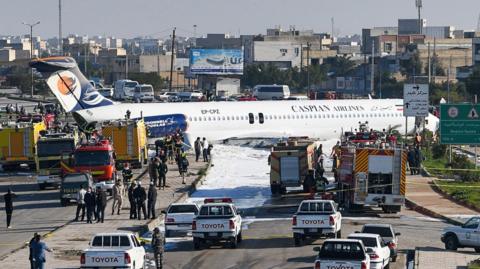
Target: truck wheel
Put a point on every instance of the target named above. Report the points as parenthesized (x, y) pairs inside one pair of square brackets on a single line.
[(451, 242), (42, 186), (233, 242), (196, 243), (239, 237), (297, 240), (339, 234)]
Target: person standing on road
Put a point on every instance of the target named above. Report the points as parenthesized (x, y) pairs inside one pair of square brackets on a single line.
[(418, 159), (152, 200), (30, 251), (140, 196), (131, 199), (101, 202), (198, 148), (158, 247), (89, 199), (411, 161), (153, 170), (127, 174), (183, 166), (205, 149), (38, 249), (80, 202), (162, 174), (8, 198), (117, 193)]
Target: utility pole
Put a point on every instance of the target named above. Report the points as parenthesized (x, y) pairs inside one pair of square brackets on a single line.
[(308, 69), (429, 65), (60, 38), (85, 60), (158, 59), (171, 60), (31, 25), (448, 79), (333, 28), (126, 65), (419, 5), (372, 79)]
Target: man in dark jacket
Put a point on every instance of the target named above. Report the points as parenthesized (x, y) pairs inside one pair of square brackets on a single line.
[(101, 202), (8, 198), (158, 247), (140, 196), (89, 199), (30, 252), (131, 199), (162, 174), (411, 161), (198, 148), (152, 199), (153, 170)]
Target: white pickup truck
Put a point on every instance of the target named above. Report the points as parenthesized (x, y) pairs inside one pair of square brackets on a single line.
[(179, 217), (113, 250), (467, 235), (217, 221), (342, 254), (316, 218)]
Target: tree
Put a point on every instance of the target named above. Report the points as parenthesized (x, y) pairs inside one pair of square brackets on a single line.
[(340, 65), (472, 83), (412, 66), (436, 65)]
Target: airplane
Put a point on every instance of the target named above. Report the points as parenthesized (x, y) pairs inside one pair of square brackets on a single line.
[(218, 121)]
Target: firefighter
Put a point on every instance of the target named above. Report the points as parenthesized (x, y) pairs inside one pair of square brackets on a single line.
[(158, 247), (131, 199), (127, 174)]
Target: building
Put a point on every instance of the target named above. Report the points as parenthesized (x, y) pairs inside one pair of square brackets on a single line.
[(476, 51), (283, 54), (410, 26), (7, 55), (368, 34)]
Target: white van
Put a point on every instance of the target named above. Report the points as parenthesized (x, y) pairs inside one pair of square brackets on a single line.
[(143, 93), (190, 96), (271, 92), (124, 89)]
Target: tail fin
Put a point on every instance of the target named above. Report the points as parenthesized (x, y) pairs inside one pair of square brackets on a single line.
[(68, 84)]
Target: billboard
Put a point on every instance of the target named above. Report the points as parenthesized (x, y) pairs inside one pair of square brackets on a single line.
[(216, 61)]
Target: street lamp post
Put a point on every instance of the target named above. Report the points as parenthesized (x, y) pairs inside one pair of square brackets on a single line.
[(31, 49)]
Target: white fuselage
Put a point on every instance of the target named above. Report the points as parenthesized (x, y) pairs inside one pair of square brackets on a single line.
[(323, 119)]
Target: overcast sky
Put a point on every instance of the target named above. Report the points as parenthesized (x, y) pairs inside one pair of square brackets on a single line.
[(130, 18)]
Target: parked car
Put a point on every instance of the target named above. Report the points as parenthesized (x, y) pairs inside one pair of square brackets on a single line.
[(316, 218), (271, 92), (114, 250), (164, 96), (465, 236), (342, 254), (143, 93), (377, 250), (179, 218), (388, 234), (70, 185)]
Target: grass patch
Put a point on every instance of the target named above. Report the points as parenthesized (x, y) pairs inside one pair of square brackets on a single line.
[(474, 264), (462, 191), (434, 166)]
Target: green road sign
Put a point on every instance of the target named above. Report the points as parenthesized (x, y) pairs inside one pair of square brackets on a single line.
[(459, 124)]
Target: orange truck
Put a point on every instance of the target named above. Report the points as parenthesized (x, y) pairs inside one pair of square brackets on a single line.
[(129, 137), (372, 177), (17, 144)]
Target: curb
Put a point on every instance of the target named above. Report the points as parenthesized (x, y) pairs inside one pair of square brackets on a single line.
[(425, 211), (50, 233), (468, 205)]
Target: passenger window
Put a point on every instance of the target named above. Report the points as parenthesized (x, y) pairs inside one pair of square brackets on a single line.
[(106, 241), (250, 118), (237, 117), (124, 241), (215, 211), (304, 207), (204, 211), (97, 241), (223, 118), (115, 241), (227, 210), (327, 207), (260, 118), (228, 117)]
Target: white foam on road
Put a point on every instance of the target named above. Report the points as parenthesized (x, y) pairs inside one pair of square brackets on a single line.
[(241, 173)]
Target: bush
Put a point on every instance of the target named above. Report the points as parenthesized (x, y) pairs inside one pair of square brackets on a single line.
[(439, 151)]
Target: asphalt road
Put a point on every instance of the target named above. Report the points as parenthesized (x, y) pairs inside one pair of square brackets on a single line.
[(34, 211), (268, 242)]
